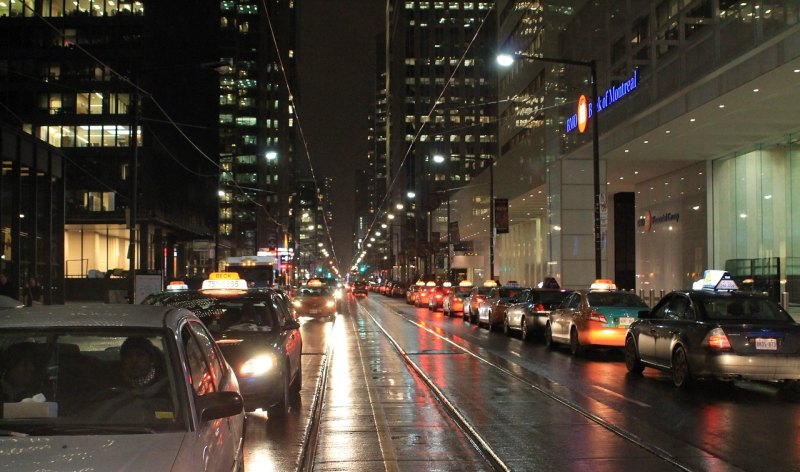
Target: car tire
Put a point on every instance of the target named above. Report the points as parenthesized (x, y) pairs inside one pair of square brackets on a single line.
[(506, 328), (632, 361), (681, 375), (281, 409), (523, 326), (548, 337), (575, 346)]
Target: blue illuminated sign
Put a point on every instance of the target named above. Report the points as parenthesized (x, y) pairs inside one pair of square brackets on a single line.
[(611, 96)]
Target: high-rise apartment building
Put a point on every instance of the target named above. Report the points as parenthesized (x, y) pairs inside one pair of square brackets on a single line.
[(256, 120), (441, 127)]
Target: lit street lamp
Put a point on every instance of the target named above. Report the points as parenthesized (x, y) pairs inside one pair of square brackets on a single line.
[(440, 159), (506, 60)]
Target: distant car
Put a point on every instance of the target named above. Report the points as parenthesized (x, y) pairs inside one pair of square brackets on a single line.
[(598, 317), (117, 387), (471, 303), (530, 313), (314, 300), (715, 332), (454, 301), (492, 309), (411, 294), (436, 296), (423, 295), (256, 331), (399, 290), (360, 289)]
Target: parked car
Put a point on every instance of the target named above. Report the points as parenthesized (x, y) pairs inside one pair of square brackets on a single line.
[(436, 296), (411, 294), (530, 313), (492, 309), (715, 331), (454, 301), (423, 295), (116, 387), (598, 317), (360, 288), (256, 331), (476, 296), (399, 290)]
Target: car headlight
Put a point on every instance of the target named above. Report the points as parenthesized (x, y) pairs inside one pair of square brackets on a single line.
[(337, 294), (297, 303), (330, 304), (259, 365)]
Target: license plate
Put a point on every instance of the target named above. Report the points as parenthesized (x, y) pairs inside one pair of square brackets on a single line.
[(766, 344), (625, 321), (313, 312)]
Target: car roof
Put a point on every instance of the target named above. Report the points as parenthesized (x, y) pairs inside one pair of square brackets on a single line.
[(92, 315)]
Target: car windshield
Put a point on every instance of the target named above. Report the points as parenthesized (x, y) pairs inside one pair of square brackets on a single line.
[(618, 299), (484, 291), (92, 381), (744, 308), (313, 292), (248, 312)]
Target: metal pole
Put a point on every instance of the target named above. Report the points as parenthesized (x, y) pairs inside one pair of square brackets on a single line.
[(491, 220), (598, 263), (134, 198), (447, 194)]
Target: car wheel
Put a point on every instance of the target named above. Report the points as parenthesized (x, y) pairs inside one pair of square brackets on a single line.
[(575, 343), (523, 326), (632, 361), (548, 337), (281, 409), (506, 328), (681, 376)]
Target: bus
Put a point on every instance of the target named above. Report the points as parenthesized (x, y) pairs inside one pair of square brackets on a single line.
[(258, 271)]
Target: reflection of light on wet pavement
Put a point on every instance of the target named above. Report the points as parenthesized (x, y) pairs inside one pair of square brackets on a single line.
[(258, 456), (339, 393)]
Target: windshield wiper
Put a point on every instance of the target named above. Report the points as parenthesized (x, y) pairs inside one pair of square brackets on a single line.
[(89, 430)]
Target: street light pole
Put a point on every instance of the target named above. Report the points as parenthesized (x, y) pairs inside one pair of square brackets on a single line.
[(506, 60), (134, 175)]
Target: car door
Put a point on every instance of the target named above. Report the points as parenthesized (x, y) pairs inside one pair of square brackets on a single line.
[(645, 330), (290, 338), (217, 442), (561, 319), (671, 326), (516, 311)]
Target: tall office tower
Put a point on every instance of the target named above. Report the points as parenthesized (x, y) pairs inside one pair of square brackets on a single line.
[(129, 95), (442, 110), (256, 122)]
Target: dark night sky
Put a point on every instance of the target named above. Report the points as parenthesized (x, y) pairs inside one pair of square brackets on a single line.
[(336, 76)]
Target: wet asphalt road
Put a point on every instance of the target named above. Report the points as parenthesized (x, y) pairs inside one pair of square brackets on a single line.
[(532, 408)]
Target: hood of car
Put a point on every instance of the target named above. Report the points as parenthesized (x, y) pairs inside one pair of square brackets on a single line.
[(129, 452)]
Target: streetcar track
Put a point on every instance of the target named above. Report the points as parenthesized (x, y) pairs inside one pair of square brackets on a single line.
[(629, 436)]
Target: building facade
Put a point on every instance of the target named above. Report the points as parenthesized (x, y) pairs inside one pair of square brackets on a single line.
[(697, 143)]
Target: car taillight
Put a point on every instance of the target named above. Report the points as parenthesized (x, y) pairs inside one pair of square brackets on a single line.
[(717, 339), (438, 296), (539, 307), (595, 316)]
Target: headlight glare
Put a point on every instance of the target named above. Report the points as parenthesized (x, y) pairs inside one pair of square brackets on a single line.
[(297, 303), (330, 304), (259, 365)]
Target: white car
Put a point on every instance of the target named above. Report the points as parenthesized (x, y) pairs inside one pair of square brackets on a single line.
[(116, 387)]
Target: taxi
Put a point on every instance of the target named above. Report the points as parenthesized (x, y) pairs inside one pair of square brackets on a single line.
[(598, 317), (437, 295), (492, 309), (413, 291), (715, 331), (476, 296), (530, 313), (179, 410), (424, 294), (454, 301), (256, 331), (314, 299)]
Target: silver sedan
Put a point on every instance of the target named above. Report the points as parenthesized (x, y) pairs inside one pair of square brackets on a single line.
[(532, 310), (116, 385)]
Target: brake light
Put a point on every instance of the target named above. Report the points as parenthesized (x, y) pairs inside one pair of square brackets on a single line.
[(539, 307), (438, 296), (717, 339), (595, 316)]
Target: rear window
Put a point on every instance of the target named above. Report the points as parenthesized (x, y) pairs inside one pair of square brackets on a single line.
[(463, 291), (550, 297), (619, 299), (744, 308), (508, 294), (484, 291)]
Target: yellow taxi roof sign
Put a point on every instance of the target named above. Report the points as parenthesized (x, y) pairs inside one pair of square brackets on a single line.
[(314, 283), (603, 284), (420, 283), (430, 284), (465, 283), (447, 284), (490, 283), (223, 276)]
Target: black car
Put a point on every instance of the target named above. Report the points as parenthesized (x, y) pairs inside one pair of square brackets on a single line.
[(360, 289), (715, 332), (256, 331)]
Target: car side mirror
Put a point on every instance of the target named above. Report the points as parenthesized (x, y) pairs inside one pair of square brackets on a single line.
[(215, 405), (290, 325), (644, 314)]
